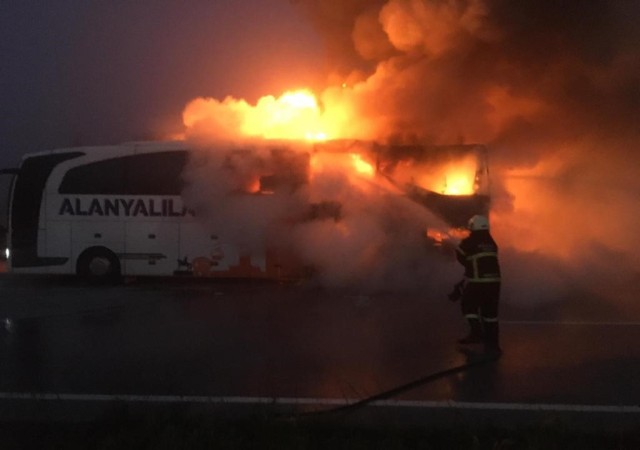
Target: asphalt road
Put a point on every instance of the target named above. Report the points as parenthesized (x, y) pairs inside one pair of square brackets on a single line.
[(304, 349)]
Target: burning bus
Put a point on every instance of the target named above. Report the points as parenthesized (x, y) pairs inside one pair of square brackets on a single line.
[(102, 212), (451, 181)]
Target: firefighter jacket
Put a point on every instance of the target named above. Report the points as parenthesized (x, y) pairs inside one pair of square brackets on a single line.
[(478, 253)]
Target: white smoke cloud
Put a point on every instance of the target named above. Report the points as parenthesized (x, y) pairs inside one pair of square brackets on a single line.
[(376, 243), (552, 89)]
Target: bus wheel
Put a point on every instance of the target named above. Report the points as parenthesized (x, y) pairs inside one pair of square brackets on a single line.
[(98, 264)]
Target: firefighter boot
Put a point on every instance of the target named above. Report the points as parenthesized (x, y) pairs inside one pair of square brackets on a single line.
[(475, 333), (492, 339)]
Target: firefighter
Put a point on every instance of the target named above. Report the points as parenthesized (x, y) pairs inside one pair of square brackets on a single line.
[(479, 292)]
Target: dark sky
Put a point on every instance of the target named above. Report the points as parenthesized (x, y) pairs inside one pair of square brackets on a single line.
[(103, 71)]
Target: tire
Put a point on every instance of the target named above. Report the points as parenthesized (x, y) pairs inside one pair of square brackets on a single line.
[(98, 264)]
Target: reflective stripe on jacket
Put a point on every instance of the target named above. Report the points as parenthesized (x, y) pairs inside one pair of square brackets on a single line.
[(478, 253)]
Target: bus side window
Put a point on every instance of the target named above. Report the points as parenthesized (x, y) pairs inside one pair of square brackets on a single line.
[(99, 178), (155, 173), (142, 174)]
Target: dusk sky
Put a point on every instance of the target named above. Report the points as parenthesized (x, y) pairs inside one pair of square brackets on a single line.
[(84, 72)]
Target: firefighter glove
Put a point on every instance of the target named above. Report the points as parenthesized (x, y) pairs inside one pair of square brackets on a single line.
[(456, 293)]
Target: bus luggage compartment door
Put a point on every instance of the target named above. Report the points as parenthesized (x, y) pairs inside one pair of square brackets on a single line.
[(151, 248)]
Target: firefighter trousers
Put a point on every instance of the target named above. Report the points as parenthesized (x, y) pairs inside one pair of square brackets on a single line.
[(480, 307)]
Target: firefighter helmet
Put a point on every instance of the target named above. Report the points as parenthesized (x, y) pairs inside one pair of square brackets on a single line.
[(478, 222)]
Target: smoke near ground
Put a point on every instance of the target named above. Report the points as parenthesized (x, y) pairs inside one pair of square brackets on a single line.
[(353, 231), (553, 88)]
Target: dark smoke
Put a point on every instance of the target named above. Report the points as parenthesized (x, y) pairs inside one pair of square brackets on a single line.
[(553, 87)]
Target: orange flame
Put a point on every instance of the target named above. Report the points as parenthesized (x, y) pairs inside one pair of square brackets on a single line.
[(293, 115), (361, 166), (458, 183), (351, 164), (453, 178), (298, 115)]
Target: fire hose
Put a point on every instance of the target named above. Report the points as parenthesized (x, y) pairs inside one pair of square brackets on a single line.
[(480, 361)]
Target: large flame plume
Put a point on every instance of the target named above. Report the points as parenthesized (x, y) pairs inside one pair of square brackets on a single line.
[(551, 89), (293, 115)]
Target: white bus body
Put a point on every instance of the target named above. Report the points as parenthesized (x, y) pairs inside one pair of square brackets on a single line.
[(118, 210), (115, 210)]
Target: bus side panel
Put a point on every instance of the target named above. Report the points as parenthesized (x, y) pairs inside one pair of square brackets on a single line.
[(201, 252), (41, 239), (54, 237), (70, 230), (86, 234), (205, 254), (58, 242), (151, 247)]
